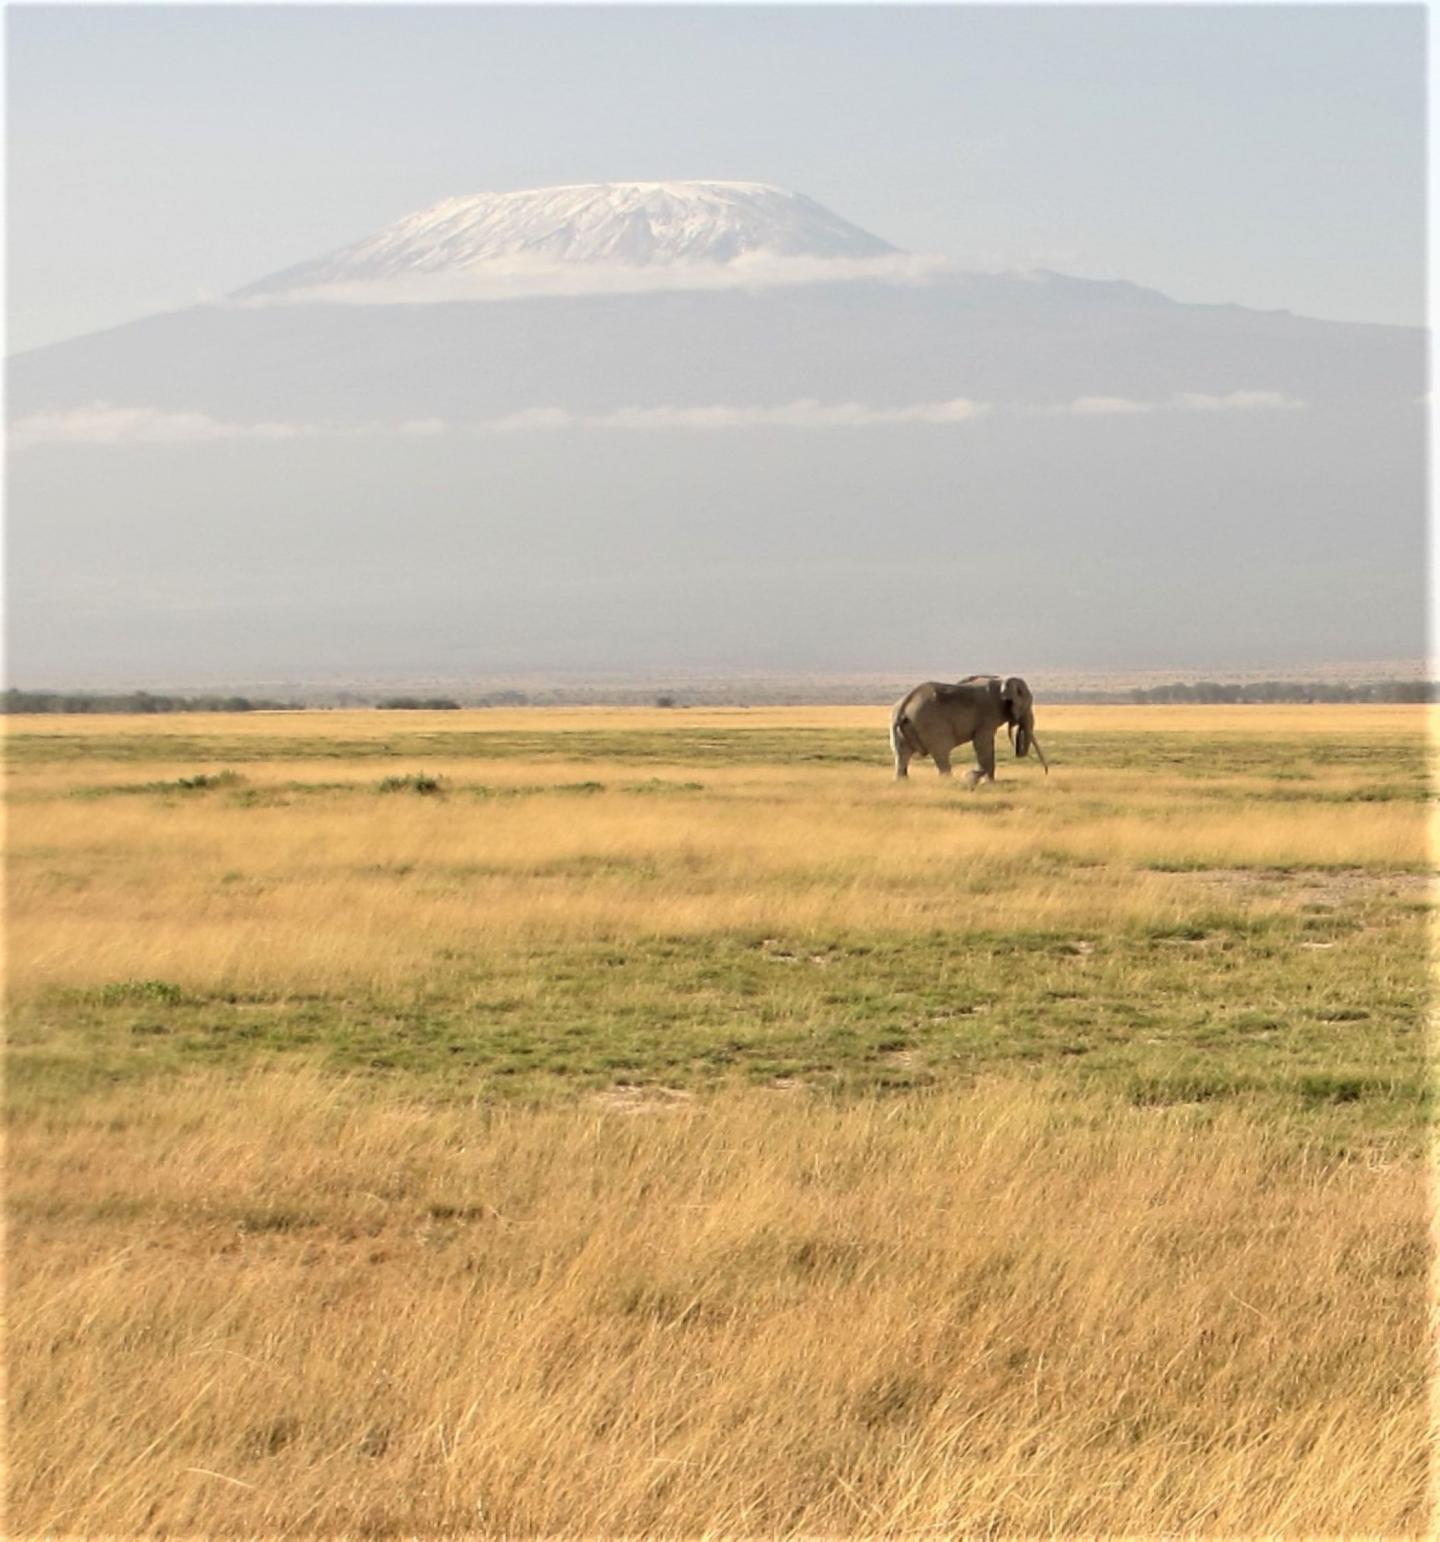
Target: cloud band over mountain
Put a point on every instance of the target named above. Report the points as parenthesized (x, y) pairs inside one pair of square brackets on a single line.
[(104, 424), (525, 279)]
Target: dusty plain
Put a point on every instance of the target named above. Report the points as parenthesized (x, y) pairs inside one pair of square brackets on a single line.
[(658, 1122)]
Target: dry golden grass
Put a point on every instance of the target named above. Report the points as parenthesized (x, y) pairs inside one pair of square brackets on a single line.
[(249, 897), (1361, 720), (284, 1307), (271, 1300), (216, 894)]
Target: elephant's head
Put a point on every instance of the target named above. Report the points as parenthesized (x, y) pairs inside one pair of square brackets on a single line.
[(1019, 708)]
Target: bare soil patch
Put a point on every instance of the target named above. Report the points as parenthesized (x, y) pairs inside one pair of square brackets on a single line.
[(627, 1099), (1317, 886)]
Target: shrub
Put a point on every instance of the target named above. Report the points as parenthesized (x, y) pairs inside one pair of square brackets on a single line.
[(421, 782)]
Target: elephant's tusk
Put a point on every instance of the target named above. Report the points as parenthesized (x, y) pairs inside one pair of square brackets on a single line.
[(1035, 745)]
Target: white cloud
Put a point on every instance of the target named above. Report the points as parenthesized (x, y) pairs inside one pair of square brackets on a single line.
[(101, 423), (1238, 401), (1098, 406), (1186, 401), (805, 413), (522, 278)]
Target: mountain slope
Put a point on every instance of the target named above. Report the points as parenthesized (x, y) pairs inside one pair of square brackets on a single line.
[(991, 339)]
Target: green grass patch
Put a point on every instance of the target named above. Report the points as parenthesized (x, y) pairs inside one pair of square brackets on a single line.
[(203, 781), (1400, 766), (1139, 1013)]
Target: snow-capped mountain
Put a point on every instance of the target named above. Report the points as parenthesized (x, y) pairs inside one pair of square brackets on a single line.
[(383, 460), (632, 223)]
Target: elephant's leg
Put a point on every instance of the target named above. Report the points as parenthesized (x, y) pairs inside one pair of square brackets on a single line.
[(942, 762), (902, 759), (984, 759)]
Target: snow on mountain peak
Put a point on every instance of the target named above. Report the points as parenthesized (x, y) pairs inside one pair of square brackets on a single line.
[(630, 224)]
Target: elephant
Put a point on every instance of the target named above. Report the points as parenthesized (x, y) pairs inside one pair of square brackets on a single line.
[(934, 719)]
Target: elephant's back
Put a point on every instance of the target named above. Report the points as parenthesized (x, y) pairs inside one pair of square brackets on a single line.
[(917, 697)]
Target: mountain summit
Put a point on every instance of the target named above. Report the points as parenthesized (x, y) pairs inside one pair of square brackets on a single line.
[(635, 224)]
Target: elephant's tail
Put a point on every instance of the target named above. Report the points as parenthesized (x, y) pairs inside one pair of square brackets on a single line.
[(902, 735)]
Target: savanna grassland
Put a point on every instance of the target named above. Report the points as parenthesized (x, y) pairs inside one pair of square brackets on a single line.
[(660, 1123)]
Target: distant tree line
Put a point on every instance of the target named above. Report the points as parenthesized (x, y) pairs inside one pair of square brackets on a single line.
[(1212, 693), (133, 701), (1201, 693)]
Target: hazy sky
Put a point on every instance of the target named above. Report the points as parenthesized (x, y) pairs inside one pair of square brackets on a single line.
[(1268, 156)]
